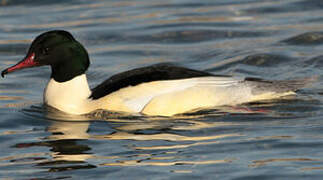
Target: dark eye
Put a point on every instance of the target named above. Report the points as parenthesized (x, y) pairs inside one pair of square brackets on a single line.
[(45, 51)]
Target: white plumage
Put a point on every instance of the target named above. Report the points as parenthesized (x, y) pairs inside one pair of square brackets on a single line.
[(163, 98)]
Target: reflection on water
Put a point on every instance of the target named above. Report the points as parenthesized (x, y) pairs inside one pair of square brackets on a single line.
[(68, 136), (67, 151), (67, 130), (161, 136), (258, 163), (142, 162)]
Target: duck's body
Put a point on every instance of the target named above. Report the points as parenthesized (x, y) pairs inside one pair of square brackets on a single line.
[(165, 97), (160, 97), (160, 89)]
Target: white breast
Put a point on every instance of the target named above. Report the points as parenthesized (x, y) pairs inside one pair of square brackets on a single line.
[(71, 96)]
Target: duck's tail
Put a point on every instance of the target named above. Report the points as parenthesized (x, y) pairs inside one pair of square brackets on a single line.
[(280, 86)]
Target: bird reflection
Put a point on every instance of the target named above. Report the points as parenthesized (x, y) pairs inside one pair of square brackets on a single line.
[(148, 140), (67, 152), (69, 135), (68, 130)]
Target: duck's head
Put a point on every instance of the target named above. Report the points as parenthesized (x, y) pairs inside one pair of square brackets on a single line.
[(58, 49)]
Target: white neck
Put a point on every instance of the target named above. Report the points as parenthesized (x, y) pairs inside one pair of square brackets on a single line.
[(70, 96)]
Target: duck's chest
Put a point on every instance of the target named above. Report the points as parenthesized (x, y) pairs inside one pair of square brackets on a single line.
[(70, 96)]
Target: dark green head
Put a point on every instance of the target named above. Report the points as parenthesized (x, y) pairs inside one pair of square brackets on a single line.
[(58, 49)]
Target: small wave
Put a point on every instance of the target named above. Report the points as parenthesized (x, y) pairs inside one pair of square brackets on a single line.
[(309, 38)]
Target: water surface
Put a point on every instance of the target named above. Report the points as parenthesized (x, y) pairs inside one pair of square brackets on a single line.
[(276, 40)]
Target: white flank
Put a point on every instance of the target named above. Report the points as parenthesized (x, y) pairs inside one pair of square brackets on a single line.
[(177, 96)]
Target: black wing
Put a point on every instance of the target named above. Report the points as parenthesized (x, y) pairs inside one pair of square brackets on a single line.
[(137, 76)]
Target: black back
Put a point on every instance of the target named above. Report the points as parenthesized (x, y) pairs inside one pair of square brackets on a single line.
[(157, 72)]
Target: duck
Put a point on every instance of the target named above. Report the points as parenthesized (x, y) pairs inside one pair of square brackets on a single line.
[(161, 89)]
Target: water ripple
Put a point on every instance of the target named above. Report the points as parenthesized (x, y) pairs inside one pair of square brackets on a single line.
[(309, 38)]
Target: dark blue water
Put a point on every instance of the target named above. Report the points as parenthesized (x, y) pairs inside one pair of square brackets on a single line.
[(271, 39)]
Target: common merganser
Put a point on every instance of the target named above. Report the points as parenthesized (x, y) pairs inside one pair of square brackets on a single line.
[(160, 89)]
